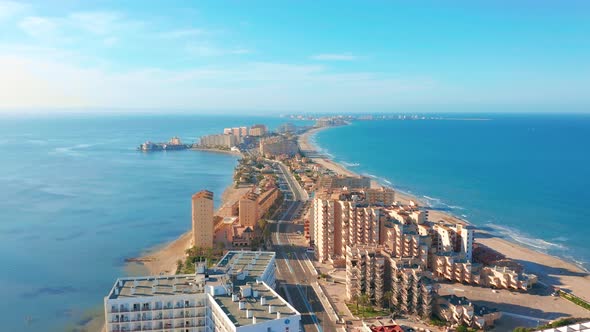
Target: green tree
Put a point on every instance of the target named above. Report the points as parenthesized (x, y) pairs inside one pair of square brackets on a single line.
[(462, 328)]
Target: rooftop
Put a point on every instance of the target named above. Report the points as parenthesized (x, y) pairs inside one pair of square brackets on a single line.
[(157, 286), (203, 194), (234, 262), (261, 302)]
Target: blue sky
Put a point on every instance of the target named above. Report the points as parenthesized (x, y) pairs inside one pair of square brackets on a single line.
[(312, 56)]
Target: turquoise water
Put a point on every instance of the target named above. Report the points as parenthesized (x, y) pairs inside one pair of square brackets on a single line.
[(525, 177), (76, 199)]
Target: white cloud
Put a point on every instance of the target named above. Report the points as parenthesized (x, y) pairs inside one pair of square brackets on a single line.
[(98, 22), (9, 9), (37, 26), (334, 57), (45, 83)]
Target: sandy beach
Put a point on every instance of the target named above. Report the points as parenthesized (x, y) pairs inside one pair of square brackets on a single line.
[(162, 259), (551, 271)]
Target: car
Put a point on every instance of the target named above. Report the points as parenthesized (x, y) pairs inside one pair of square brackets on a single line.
[(299, 233)]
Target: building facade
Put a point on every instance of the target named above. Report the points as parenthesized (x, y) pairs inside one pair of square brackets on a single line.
[(202, 219), (278, 145), (236, 295), (460, 311), (219, 140), (258, 130)]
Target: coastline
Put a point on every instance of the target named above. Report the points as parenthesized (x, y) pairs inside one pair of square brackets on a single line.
[(551, 270), (235, 153), (162, 258)]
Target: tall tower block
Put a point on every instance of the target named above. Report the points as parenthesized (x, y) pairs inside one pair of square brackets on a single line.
[(202, 204)]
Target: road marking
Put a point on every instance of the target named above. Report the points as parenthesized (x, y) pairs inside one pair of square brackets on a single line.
[(307, 305)]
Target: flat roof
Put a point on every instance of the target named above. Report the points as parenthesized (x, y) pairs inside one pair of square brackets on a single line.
[(254, 306), (255, 262), (157, 286)]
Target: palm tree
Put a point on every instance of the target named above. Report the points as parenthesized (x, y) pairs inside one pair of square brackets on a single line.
[(387, 296), (365, 301), (355, 298)]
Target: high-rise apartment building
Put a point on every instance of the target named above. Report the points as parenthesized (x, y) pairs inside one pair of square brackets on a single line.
[(365, 272), (202, 219), (341, 219), (278, 145), (258, 130), (219, 140)]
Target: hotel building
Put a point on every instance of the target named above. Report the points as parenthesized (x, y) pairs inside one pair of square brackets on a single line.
[(219, 140), (202, 219), (236, 295)]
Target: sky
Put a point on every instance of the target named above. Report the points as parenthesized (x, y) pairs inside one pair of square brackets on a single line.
[(294, 56)]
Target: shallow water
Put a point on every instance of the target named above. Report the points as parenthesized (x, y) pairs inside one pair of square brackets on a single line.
[(77, 199)]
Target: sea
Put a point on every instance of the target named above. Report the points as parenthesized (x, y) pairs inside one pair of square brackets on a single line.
[(77, 199), (524, 177)]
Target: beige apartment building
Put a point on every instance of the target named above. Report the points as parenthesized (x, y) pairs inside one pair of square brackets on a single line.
[(341, 219), (460, 311), (380, 196), (219, 140), (257, 130), (365, 272), (328, 182), (202, 219), (278, 145), (253, 206)]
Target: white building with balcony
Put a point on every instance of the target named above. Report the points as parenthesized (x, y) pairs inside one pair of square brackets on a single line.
[(236, 295)]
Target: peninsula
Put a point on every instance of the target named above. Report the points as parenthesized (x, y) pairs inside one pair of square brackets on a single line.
[(357, 250)]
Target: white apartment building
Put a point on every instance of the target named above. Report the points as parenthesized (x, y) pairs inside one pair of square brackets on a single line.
[(236, 295)]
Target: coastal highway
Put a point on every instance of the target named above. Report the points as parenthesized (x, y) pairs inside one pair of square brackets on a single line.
[(293, 273)]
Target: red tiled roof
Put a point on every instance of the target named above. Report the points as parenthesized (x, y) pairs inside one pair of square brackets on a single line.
[(390, 328)]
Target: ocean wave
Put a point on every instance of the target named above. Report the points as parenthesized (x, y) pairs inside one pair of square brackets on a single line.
[(456, 207), (431, 198), (561, 239), (347, 164), (579, 263), (509, 232)]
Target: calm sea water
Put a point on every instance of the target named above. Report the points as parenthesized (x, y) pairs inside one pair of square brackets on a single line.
[(526, 177), (76, 199)]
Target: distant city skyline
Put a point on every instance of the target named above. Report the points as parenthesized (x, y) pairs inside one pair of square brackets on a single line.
[(283, 57)]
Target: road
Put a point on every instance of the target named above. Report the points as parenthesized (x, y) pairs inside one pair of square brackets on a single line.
[(293, 273)]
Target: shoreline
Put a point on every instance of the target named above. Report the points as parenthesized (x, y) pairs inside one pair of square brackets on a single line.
[(161, 259), (551, 270), (235, 153)]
